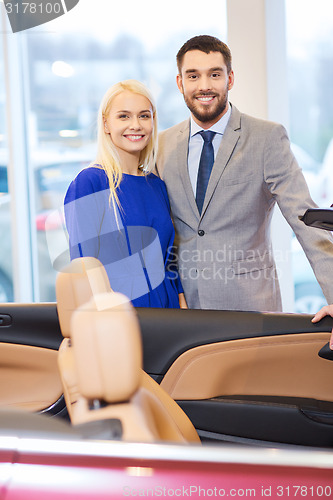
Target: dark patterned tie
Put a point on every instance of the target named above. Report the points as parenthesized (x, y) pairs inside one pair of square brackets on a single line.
[(205, 166)]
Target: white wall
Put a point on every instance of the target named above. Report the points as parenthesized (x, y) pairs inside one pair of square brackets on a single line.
[(256, 37)]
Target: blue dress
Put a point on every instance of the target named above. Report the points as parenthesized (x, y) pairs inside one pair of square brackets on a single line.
[(134, 242)]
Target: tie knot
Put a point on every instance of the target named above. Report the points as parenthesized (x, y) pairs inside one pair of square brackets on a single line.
[(207, 135)]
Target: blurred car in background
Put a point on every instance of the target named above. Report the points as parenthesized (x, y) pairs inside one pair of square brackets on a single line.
[(309, 297), (312, 172), (53, 173), (6, 285), (327, 176)]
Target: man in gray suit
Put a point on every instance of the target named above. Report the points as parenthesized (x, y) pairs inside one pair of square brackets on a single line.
[(224, 252)]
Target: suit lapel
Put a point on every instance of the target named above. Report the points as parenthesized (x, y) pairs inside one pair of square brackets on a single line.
[(228, 143), (182, 156)]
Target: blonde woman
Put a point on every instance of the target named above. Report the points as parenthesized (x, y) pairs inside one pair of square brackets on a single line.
[(118, 211)]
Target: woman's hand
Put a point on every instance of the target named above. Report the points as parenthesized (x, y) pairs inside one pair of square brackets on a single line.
[(182, 301)]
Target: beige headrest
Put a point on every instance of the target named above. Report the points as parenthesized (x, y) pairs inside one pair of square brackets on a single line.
[(76, 284), (107, 349)]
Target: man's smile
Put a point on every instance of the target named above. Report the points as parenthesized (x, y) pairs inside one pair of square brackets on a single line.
[(205, 99)]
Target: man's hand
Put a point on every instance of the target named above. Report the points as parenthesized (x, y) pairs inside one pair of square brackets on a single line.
[(324, 311)]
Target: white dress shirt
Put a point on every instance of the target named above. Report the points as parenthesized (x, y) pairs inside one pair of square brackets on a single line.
[(196, 141)]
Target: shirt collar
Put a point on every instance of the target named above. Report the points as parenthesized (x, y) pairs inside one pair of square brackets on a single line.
[(218, 127)]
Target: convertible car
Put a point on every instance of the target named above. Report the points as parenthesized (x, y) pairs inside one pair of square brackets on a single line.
[(100, 401)]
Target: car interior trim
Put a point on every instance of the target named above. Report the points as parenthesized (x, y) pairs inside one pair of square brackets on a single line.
[(31, 375), (260, 366)]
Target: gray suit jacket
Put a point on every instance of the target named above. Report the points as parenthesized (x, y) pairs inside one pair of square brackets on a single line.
[(225, 255)]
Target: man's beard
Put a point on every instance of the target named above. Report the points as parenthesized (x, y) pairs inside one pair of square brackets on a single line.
[(208, 115)]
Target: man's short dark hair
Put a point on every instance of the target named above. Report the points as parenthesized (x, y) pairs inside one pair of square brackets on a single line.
[(207, 44)]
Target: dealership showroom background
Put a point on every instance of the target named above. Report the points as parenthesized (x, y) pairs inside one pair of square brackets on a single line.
[(52, 78)]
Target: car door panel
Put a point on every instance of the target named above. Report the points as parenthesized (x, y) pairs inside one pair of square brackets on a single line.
[(243, 376), (261, 420), (275, 366), (275, 389), (30, 377), (30, 324), (29, 340), (166, 334)]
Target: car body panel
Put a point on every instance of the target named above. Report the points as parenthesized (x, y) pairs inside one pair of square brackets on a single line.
[(38, 469)]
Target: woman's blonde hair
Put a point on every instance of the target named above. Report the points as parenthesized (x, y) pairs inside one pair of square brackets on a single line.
[(107, 156)]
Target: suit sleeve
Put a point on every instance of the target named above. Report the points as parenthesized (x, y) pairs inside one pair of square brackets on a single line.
[(286, 183)]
